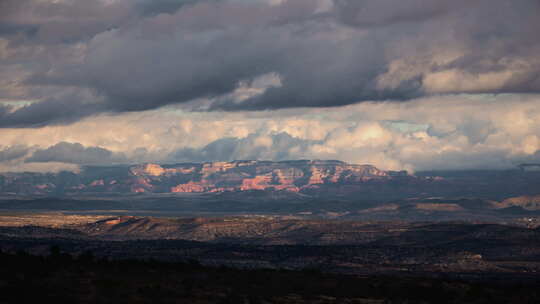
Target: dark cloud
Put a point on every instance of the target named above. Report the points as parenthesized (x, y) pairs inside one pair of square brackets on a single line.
[(47, 22), (13, 152), (155, 7), (179, 58), (280, 146), (76, 153), (49, 112), (529, 159), (369, 13), (9, 29), (141, 55), (452, 160)]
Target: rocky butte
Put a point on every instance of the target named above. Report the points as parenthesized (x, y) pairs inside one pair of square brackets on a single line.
[(293, 176), (251, 175)]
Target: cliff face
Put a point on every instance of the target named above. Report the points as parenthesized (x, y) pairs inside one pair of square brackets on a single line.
[(527, 202), (294, 176), (253, 175)]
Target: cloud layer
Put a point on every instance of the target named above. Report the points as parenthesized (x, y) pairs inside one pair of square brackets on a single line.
[(452, 132), (61, 61), (75, 153), (409, 84)]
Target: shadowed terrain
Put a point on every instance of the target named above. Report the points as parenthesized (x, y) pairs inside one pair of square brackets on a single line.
[(280, 242), (63, 278)]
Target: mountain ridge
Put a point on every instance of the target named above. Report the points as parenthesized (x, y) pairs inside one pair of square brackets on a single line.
[(206, 177), (319, 179)]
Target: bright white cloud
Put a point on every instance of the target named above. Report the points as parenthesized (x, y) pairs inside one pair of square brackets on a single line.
[(451, 132)]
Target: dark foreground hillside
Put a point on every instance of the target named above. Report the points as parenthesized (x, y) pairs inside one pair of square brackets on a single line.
[(62, 278), (457, 249)]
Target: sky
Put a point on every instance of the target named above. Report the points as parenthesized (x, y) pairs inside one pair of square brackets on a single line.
[(402, 85)]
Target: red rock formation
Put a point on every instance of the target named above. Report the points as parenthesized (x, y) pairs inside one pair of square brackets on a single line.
[(45, 186), (251, 175), (147, 169), (141, 185), (316, 176), (96, 183), (137, 190), (288, 176), (190, 187), (180, 170), (256, 183), (78, 187), (209, 168)]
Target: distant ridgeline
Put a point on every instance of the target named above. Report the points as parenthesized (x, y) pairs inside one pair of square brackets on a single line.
[(294, 176), (313, 177)]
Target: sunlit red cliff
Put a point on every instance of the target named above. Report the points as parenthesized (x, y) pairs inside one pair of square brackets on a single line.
[(250, 175), (291, 176)]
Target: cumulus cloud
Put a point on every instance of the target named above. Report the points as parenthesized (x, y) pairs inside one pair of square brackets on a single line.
[(66, 21), (205, 54), (279, 146), (75, 153), (63, 110), (12, 152), (118, 81), (363, 13), (451, 132)]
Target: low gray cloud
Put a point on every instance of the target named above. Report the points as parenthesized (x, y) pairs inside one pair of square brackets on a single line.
[(52, 22), (155, 7), (48, 112), (13, 152), (280, 146), (142, 55), (75, 153), (362, 13)]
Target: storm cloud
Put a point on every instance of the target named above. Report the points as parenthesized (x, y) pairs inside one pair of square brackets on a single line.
[(76, 59), (278, 146), (75, 153), (409, 84), (13, 152)]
